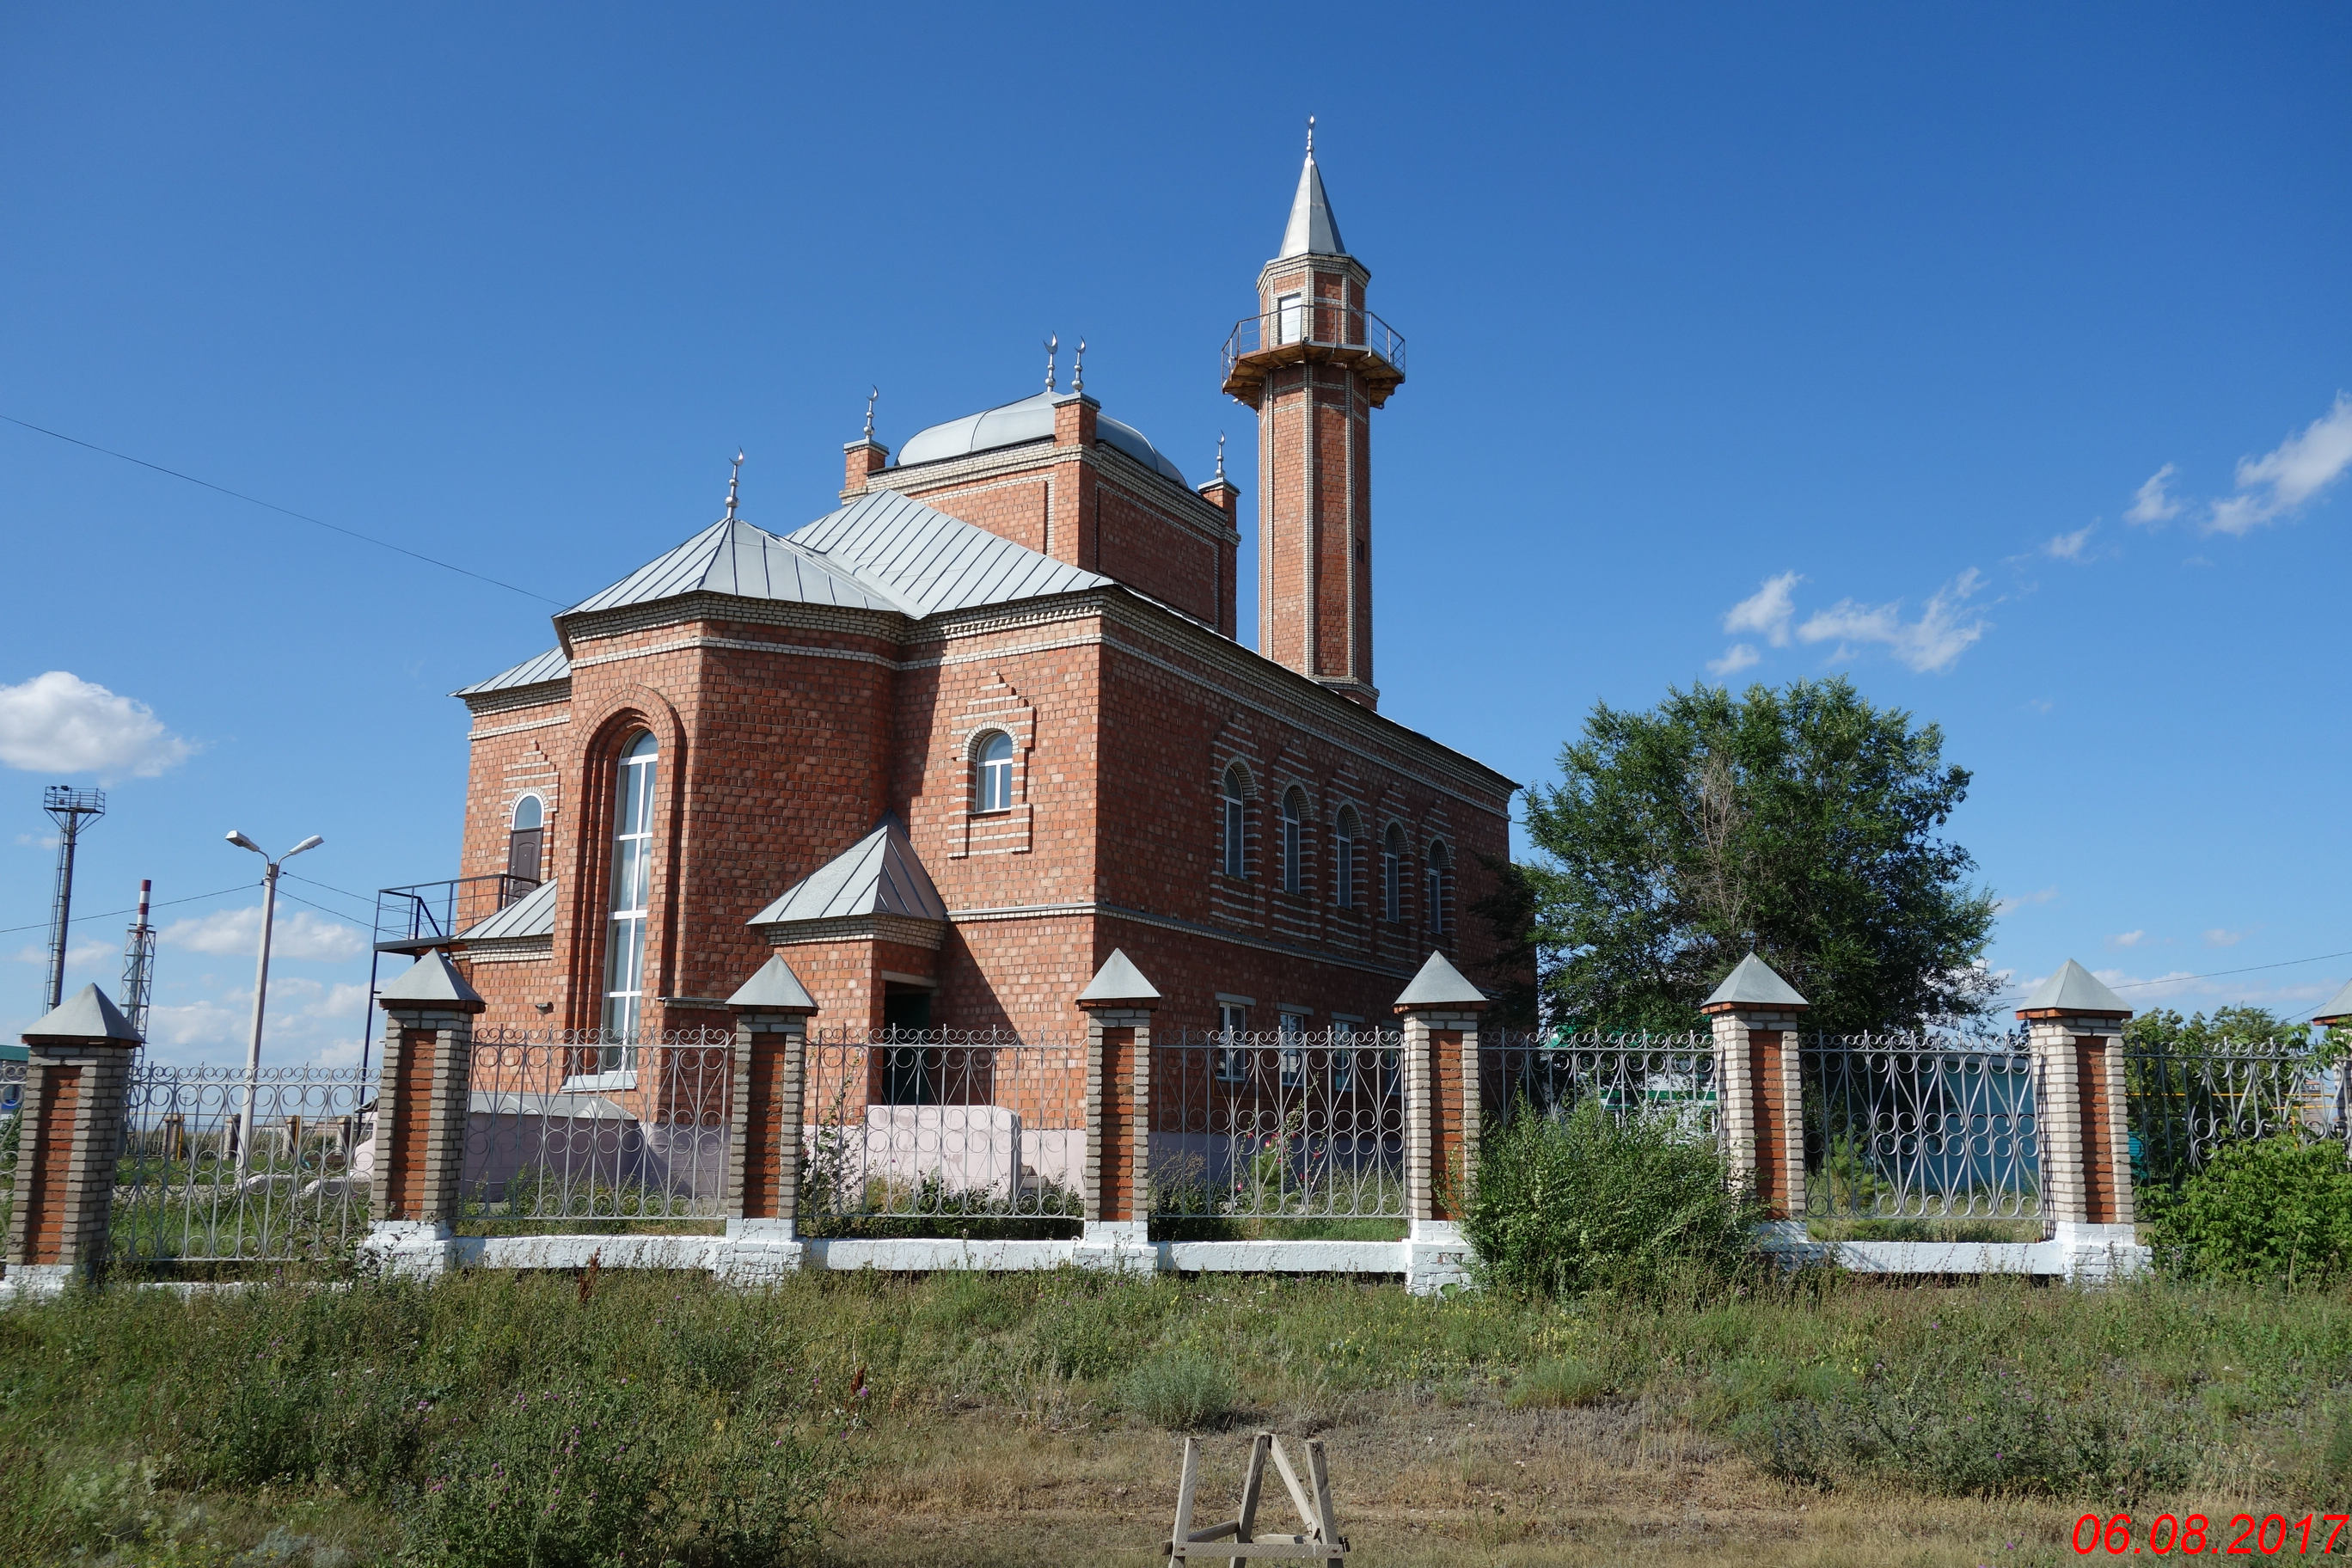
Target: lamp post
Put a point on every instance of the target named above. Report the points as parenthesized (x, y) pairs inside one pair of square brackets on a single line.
[(261, 987)]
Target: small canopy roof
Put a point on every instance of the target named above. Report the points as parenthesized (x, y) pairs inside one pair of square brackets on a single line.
[(2073, 989), (1440, 985), (431, 979), (88, 1014), (773, 985), (879, 874), (544, 667), (533, 914), (1119, 981), (1753, 983), (2338, 1010), (1312, 230)]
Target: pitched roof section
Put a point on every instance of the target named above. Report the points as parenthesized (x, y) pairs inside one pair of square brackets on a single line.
[(2338, 1010), (1440, 985), (879, 874), (533, 914), (87, 1015), (1119, 981), (549, 666), (2073, 989), (1312, 230), (929, 562), (432, 980), (1753, 983), (734, 558), (774, 986)]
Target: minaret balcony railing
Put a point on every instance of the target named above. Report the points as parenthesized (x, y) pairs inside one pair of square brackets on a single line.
[(1313, 332), (429, 914)]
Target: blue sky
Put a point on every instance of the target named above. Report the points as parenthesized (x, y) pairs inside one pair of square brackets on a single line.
[(1768, 342)]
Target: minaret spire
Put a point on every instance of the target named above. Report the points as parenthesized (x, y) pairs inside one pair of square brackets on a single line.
[(1312, 229)]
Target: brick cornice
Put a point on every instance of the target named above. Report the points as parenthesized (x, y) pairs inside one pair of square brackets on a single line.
[(1148, 484)]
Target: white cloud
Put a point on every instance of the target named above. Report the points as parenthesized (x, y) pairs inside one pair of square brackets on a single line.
[(2071, 546), (60, 724), (1766, 612), (1739, 656), (236, 932), (2127, 938), (77, 953), (2290, 474), (1930, 645), (2150, 503), (2219, 937), (2019, 901), (2154, 988)]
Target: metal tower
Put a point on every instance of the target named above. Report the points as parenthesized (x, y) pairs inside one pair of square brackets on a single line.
[(139, 964), (68, 807)]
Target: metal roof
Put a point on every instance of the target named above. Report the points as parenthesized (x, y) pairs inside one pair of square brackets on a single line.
[(1753, 983), (2073, 989), (1312, 230), (879, 874), (550, 666), (927, 561), (734, 558), (432, 978), (88, 1014), (1119, 981), (533, 914), (1440, 985), (774, 985), (1029, 419), (2338, 1010)]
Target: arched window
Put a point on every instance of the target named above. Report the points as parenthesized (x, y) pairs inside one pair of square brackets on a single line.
[(631, 899), (1393, 874), (1294, 840), (1234, 801), (992, 772), (525, 831), (1440, 876), (1343, 858)]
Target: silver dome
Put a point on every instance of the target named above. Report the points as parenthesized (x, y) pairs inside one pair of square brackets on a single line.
[(1030, 419)]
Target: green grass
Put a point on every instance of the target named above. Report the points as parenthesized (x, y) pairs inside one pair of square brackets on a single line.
[(140, 1424)]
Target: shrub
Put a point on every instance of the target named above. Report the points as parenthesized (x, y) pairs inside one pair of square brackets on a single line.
[(1586, 1202), (2273, 1210), (1180, 1390)]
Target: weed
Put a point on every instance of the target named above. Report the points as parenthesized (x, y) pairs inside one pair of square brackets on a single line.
[(1561, 1385), (1183, 1391)]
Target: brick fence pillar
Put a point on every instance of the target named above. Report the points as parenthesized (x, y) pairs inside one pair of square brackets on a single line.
[(1440, 1015), (2074, 1027), (764, 1140), (69, 1137), (1760, 1087), (1119, 1004), (421, 1107)]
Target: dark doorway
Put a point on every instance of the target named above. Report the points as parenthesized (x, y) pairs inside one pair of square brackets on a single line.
[(910, 1071)]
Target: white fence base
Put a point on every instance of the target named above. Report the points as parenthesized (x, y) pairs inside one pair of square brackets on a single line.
[(36, 1281), (2090, 1254)]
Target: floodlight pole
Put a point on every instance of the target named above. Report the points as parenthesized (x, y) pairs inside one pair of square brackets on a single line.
[(260, 988)]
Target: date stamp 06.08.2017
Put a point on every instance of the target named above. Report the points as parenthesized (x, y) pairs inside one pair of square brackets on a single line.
[(2120, 1535)]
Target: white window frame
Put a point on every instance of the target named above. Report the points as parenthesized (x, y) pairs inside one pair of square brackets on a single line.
[(1232, 1061), (1439, 863), (1290, 318), (1291, 1061), (1233, 792), (629, 901), (992, 776), (1393, 875), (1294, 840), (1343, 858)]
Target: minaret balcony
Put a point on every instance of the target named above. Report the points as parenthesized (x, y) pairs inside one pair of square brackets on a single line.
[(1313, 332)]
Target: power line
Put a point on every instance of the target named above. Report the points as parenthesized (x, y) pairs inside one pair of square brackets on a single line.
[(287, 893), (273, 506), (2216, 974), (346, 892), (111, 914)]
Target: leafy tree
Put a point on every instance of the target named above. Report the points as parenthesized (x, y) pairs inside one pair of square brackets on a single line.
[(1800, 822), (2162, 1028)]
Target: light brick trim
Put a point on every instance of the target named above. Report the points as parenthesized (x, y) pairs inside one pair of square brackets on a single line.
[(2080, 1174), (1761, 1125), (436, 1114), (764, 1116), (69, 1138), (1118, 1113), (1441, 1111)]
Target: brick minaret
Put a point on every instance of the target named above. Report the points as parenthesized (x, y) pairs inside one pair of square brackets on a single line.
[(1315, 362)]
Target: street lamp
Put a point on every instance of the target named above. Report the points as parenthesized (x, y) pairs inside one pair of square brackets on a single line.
[(260, 986)]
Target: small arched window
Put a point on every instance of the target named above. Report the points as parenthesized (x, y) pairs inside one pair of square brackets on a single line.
[(992, 772), (1343, 858), (631, 897), (526, 832), (1233, 801), (1441, 887), (1393, 874), (1294, 840)]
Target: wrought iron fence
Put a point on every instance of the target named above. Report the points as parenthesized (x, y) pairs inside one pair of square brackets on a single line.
[(1551, 1072), (580, 1124), (943, 1124), (1278, 1125), (12, 1098), (2185, 1105), (200, 1179), (1902, 1126)]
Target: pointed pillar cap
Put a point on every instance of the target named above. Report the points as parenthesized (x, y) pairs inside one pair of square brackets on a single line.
[(774, 988), (431, 981), (1119, 982), (1312, 230), (2338, 1011), (2074, 990), (88, 1014), (1752, 982), (1439, 987)]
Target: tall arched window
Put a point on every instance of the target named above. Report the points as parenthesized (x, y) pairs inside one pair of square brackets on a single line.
[(992, 772), (1441, 878), (631, 900), (1343, 858), (1294, 836), (525, 830), (1393, 874), (1234, 802)]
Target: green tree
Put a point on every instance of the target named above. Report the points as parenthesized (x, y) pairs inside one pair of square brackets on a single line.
[(1800, 822)]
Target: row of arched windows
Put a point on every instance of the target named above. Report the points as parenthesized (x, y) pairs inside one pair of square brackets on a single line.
[(1290, 872)]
